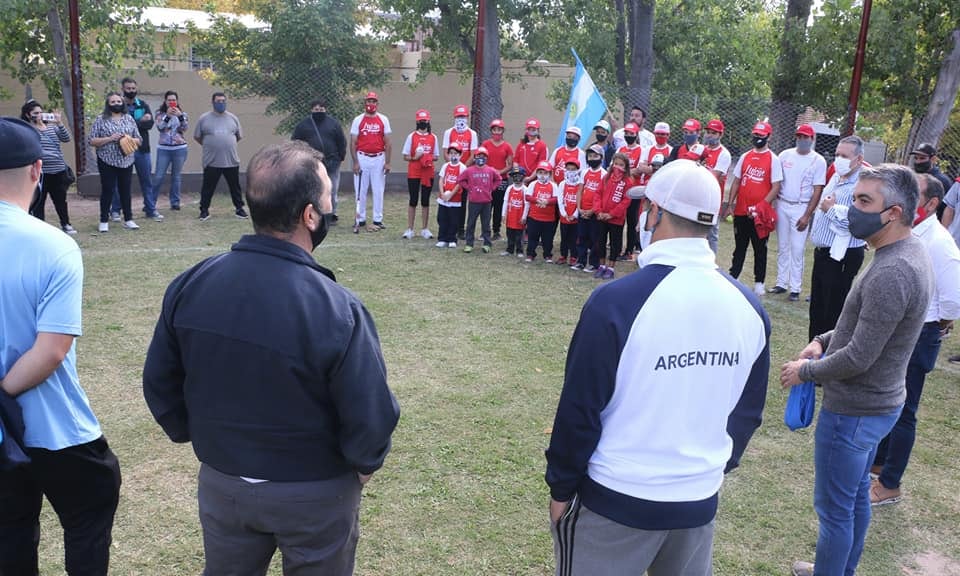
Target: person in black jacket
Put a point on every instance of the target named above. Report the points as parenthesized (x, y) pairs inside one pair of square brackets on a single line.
[(274, 372), (324, 133)]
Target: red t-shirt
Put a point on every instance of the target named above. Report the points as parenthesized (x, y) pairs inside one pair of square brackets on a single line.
[(426, 142), (592, 182), (614, 199), (632, 153), (497, 155), (449, 178), (560, 158), (514, 202), (756, 171), (529, 155), (370, 134), (684, 153), (538, 192), (651, 152), (569, 198), (710, 161)]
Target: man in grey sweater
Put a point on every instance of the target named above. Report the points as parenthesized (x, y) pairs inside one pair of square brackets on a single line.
[(864, 364)]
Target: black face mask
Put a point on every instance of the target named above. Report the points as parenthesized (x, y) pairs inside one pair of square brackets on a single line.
[(317, 236), (760, 141), (130, 95), (631, 140), (595, 163), (318, 117), (601, 137), (922, 167), (118, 108), (572, 142), (423, 125)]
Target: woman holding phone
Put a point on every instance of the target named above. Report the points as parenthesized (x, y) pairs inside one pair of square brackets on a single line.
[(172, 124), (56, 179)]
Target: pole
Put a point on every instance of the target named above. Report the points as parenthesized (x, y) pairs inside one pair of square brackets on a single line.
[(858, 69), (478, 65), (76, 86)]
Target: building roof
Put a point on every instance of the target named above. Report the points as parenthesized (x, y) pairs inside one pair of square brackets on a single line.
[(177, 19)]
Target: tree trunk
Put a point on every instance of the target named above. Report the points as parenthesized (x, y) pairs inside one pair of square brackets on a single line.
[(784, 107), (491, 82), (62, 60), (620, 57), (641, 54), (930, 126)]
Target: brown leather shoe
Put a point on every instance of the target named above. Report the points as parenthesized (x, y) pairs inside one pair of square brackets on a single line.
[(880, 495)]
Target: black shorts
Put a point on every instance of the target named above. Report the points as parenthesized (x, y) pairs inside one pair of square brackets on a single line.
[(415, 188)]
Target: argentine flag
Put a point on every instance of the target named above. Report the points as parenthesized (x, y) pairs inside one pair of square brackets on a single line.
[(586, 106)]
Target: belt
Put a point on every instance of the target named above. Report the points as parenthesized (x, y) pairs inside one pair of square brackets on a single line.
[(372, 155), (793, 203), (932, 323)]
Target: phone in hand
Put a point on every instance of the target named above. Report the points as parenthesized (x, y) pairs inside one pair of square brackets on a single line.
[(48, 117), (173, 104)]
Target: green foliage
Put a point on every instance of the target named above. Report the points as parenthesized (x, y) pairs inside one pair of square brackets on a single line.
[(111, 34), (310, 50)]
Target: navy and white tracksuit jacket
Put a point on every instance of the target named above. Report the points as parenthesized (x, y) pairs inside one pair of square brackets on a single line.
[(665, 383)]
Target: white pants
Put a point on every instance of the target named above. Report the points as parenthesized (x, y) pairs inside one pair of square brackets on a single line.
[(371, 176), (790, 245)]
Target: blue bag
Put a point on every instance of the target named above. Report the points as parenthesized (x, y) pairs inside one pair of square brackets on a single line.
[(800, 406)]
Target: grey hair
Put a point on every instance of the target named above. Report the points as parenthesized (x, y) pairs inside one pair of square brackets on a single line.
[(857, 143), (898, 184), (934, 187)]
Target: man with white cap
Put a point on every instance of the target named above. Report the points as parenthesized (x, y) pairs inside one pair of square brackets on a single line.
[(635, 468), (569, 152), (602, 138), (41, 291)]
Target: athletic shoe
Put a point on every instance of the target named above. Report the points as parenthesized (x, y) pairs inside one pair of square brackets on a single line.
[(758, 289), (156, 217), (362, 224), (589, 268), (561, 261), (468, 249), (519, 254), (778, 290), (441, 244), (241, 213), (528, 259), (451, 244), (486, 249), (572, 261), (801, 568), (496, 237), (408, 234), (607, 274), (115, 216), (379, 226), (955, 359), (69, 229), (103, 227), (548, 259), (577, 266), (426, 234), (130, 225), (794, 297), (175, 208), (334, 218), (599, 272), (505, 253), (460, 236)]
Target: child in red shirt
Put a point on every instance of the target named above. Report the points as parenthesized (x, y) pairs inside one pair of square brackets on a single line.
[(611, 210), (587, 224), (541, 195), (449, 203), (567, 203), (514, 213)]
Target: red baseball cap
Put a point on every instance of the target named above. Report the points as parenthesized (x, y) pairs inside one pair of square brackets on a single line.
[(423, 115), (715, 125), (805, 130), (692, 124), (372, 96), (460, 110), (496, 123), (533, 123), (632, 128), (481, 150), (574, 161), (762, 129), (544, 165)]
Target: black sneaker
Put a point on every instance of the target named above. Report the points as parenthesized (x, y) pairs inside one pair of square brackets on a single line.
[(794, 297), (496, 237), (334, 218), (955, 359), (175, 208), (777, 290), (204, 215), (241, 213), (379, 225)]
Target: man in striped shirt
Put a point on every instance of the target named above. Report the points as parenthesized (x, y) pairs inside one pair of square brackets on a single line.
[(837, 256)]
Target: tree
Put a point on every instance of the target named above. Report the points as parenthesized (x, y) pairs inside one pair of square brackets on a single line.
[(310, 50), (787, 80), (33, 43)]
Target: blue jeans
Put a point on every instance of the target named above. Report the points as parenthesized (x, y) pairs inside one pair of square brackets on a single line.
[(894, 450), (175, 160), (844, 447), (141, 161)]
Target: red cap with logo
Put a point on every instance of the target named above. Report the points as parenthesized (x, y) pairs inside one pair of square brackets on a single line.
[(423, 115), (762, 129), (372, 96), (533, 123), (481, 150), (632, 128), (460, 110), (715, 125), (692, 124), (805, 130), (544, 165), (574, 161), (496, 123)]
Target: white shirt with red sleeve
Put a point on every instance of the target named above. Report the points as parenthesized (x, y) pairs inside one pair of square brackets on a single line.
[(369, 132), (467, 140)]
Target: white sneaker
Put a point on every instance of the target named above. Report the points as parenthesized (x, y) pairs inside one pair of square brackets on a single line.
[(426, 234), (451, 244), (408, 234), (758, 289), (115, 216), (157, 217), (103, 227), (130, 225), (68, 229), (441, 244)]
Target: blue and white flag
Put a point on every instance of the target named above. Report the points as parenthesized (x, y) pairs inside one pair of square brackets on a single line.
[(586, 106)]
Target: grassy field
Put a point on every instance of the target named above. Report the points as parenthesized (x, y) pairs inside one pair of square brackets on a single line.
[(475, 348)]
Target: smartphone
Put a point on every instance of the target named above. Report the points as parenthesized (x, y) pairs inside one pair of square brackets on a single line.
[(172, 104), (48, 117)]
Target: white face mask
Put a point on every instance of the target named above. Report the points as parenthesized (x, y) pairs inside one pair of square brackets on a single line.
[(842, 165), (645, 236), (460, 124), (572, 176), (543, 178)]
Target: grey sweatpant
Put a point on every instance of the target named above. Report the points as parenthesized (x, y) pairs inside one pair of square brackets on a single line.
[(586, 543)]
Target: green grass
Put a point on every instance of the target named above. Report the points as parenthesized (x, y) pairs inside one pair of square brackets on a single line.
[(475, 348)]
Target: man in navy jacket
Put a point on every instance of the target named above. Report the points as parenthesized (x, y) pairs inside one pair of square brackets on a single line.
[(274, 373), (665, 384)]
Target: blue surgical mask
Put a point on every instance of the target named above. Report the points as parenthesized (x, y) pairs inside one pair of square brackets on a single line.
[(690, 139), (220, 107), (804, 146), (480, 160), (711, 140)]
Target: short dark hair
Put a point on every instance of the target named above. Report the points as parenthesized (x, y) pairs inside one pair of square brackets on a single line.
[(106, 103), (27, 108), (215, 94), (281, 180), (321, 102), (642, 111), (127, 80), (934, 187)]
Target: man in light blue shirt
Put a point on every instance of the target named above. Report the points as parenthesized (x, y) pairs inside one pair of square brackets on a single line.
[(41, 285)]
